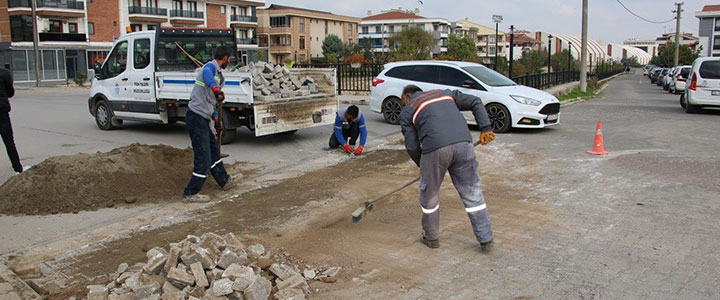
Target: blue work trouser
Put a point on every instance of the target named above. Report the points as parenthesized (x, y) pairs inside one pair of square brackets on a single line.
[(7, 137), (459, 160), (206, 154)]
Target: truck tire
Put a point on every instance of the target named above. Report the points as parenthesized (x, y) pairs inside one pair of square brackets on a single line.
[(228, 134), (104, 116)]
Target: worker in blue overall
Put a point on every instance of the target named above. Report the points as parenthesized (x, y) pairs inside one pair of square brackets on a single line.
[(349, 125)]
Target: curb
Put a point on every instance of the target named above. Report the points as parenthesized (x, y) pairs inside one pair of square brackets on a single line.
[(23, 290), (598, 93)]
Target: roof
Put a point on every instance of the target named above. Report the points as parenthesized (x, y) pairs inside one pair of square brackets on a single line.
[(521, 38), (275, 6), (393, 15), (482, 29), (711, 8)]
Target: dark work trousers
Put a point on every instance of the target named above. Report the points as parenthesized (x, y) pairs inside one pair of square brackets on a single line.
[(7, 137), (206, 154), (353, 132), (459, 160)]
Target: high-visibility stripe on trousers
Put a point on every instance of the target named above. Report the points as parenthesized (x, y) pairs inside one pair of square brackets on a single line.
[(205, 152)]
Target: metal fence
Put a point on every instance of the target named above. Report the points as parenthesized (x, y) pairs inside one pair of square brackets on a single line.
[(351, 79), (546, 80)]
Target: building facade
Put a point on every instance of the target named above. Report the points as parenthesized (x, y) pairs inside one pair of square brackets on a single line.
[(486, 41), (379, 28), (76, 35), (297, 34), (709, 31)]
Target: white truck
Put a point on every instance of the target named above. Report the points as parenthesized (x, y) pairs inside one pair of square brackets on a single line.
[(148, 77)]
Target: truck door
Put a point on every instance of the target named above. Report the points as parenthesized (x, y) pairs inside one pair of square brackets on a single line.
[(142, 85), (116, 76)]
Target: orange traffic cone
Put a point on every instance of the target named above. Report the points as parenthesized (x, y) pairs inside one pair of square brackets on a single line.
[(598, 147)]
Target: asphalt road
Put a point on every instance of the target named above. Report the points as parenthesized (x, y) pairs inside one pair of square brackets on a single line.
[(55, 121)]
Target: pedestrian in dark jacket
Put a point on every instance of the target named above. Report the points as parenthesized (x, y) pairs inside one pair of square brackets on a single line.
[(438, 140), (7, 91)]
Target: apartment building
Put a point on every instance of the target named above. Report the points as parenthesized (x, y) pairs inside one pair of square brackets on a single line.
[(298, 33), (75, 35), (379, 28), (709, 32), (486, 41)]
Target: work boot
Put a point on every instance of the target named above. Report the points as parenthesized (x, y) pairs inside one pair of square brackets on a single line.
[(230, 184), (430, 243), (486, 247), (197, 198)]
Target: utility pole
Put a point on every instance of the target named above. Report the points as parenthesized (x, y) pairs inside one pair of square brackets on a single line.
[(497, 19), (36, 45), (584, 50), (677, 33)]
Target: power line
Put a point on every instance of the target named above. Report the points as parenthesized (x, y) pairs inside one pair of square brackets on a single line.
[(644, 19)]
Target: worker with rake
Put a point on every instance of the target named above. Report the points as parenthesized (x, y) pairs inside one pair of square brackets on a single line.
[(438, 140)]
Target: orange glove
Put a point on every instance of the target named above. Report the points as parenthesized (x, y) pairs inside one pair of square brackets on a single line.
[(348, 149), (487, 137), (359, 150)]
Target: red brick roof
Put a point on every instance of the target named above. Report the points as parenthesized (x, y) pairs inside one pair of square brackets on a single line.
[(711, 8), (393, 15), (521, 38)]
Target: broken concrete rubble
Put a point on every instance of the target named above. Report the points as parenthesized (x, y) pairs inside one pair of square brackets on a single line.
[(271, 80), (220, 268)]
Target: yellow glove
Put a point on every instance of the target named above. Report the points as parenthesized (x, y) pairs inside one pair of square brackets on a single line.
[(487, 137)]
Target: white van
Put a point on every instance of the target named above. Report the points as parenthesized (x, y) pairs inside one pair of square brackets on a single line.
[(703, 91)]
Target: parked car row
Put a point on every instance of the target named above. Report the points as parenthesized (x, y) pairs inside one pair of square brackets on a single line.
[(699, 84), (509, 105)]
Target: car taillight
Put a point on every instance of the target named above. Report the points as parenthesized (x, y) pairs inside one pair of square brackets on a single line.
[(693, 82), (377, 81)]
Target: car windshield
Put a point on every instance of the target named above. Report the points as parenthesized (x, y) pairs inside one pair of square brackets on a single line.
[(488, 76)]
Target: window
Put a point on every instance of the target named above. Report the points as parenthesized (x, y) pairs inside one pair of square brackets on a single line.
[(391, 29), (177, 5), (21, 28), (72, 28), (141, 53), (55, 26), (151, 3), (717, 24), (136, 27), (350, 31), (716, 42), (414, 73), (91, 28), (283, 21), (365, 29), (302, 42), (192, 5), (151, 27), (710, 69), (136, 3), (489, 77), (233, 11), (117, 62), (491, 50), (491, 39), (222, 9), (452, 77), (301, 25), (378, 29)]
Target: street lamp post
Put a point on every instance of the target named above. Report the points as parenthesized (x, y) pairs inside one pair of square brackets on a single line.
[(550, 36), (569, 56), (512, 41), (497, 19)]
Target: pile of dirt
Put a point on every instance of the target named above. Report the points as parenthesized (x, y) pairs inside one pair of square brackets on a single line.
[(64, 184)]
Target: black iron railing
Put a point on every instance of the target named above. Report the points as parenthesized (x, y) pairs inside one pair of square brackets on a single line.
[(187, 14), (546, 80), (252, 41), (68, 4), (239, 18), (148, 10)]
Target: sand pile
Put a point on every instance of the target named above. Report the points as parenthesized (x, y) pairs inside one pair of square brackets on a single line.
[(132, 174)]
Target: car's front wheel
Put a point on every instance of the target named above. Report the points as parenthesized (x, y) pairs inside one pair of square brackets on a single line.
[(391, 109), (500, 119)]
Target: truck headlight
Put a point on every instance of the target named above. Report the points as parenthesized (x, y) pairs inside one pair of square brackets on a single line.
[(526, 100)]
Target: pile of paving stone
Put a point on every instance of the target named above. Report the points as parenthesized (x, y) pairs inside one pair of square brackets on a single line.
[(210, 267), (274, 82)]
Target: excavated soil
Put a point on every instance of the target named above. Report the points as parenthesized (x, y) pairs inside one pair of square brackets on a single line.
[(130, 175)]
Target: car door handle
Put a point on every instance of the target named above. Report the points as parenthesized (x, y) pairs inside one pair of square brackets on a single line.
[(125, 79), (146, 78)]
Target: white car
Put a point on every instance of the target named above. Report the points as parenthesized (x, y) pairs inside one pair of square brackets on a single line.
[(647, 69), (677, 84), (668, 78), (508, 104), (703, 91)]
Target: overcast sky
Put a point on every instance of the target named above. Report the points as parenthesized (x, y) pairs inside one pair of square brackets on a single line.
[(608, 21)]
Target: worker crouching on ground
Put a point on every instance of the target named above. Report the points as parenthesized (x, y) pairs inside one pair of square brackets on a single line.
[(205, 96), (349, 124), (437, 139)]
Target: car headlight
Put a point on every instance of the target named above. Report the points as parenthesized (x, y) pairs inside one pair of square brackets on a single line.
[(526, 100)]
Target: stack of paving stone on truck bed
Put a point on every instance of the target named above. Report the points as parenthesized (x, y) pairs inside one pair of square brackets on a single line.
[(274, 82)]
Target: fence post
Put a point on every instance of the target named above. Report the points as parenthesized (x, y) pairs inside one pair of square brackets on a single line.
[(339, 79)]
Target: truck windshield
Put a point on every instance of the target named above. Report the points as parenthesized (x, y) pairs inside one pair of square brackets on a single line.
[(173, 55), (489, 77)]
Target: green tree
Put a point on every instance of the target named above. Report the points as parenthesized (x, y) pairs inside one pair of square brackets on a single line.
[(559, 61), (531, 62), (666, 55), (462, 48), (412, 43), (630, 61), (332, 45)]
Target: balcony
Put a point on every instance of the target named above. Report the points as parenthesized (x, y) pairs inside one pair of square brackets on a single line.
[(243, 19), (187, 17), (252, 41), (147, 14), (61, 37), (281, 48), (48, 8)]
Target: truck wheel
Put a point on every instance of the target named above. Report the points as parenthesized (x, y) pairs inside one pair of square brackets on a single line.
[(104, 116), (228, 134)]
